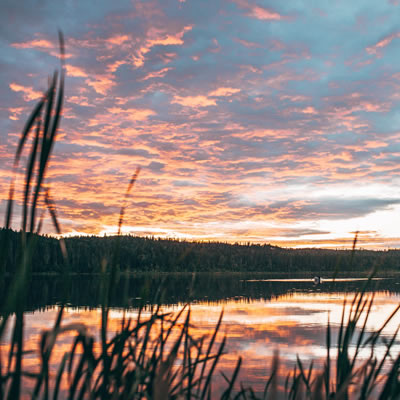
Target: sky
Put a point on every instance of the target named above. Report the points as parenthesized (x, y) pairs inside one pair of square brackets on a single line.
[(252, 121)]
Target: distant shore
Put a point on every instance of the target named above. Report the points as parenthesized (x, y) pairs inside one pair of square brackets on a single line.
[(136, 255)]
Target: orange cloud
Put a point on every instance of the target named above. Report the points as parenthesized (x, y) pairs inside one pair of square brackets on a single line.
[(224, 91), (370, 107), (309, 110), (176, 39), (157, 74), (138, 60), (15, 112), (80, 101), (263, 13), (41, 43), (373, 144), (28, 92), (115, 65), (158, 38), (101, 83), (118, 39), (76, 72), (262, 133), (256, 11), (194, 101), (133, 114)]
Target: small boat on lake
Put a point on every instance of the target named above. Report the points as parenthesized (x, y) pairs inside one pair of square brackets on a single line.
[(317, 280)]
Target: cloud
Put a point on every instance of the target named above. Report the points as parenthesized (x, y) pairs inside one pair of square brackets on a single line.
[(15, 113), (379, 46), (308, 110), (157, 37), (41, 44), (75, 71), (80, 100), (157, 74), (248, 44), (160, 39), (115, 65), (224, 91), (331, 208), (102, 84), (194, 101), (258, 12), (29, 93), (132, 114), (35, 43), (118, 39)]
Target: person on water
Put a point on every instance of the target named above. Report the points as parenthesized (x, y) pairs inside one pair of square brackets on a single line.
[(317, 280)]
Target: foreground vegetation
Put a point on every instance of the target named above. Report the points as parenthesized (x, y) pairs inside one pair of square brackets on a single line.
[(138, 254), (154, 357)]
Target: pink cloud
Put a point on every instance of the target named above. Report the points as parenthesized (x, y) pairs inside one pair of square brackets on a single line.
[(194, 101), (76, 72), (263, 133), (256, 11), (28, 92), (157, 37), (132, 114), (375, 49), (294, 98), (251, 68), (41, 43), (115, 65), (277, 45), (308, 110), (15, 113), (101, 83), (165, 40), (204, 101), (373, 144), (263, 13), (224, 91), (168, 57), (157, 74), (118, 39), (248, 44), (281, 80), (80, 101), (138, 60)]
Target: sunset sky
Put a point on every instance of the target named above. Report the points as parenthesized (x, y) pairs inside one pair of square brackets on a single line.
[(252, 121)]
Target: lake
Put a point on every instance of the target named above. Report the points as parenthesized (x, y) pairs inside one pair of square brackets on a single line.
[(261, 314)]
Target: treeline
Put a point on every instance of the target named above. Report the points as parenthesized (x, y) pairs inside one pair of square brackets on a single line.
[(138, 254)]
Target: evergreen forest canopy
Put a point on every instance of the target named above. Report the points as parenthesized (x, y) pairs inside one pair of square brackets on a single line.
[(139, 254)]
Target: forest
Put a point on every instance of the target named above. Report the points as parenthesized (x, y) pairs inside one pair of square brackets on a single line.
[(85, 254)]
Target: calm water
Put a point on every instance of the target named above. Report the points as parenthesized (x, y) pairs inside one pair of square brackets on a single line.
[(260, 314)]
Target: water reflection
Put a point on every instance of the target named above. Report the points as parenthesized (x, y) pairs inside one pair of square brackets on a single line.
[(132, 291), (259, 315)]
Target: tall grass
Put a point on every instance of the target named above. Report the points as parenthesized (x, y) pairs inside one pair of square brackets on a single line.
[(156, 357)]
